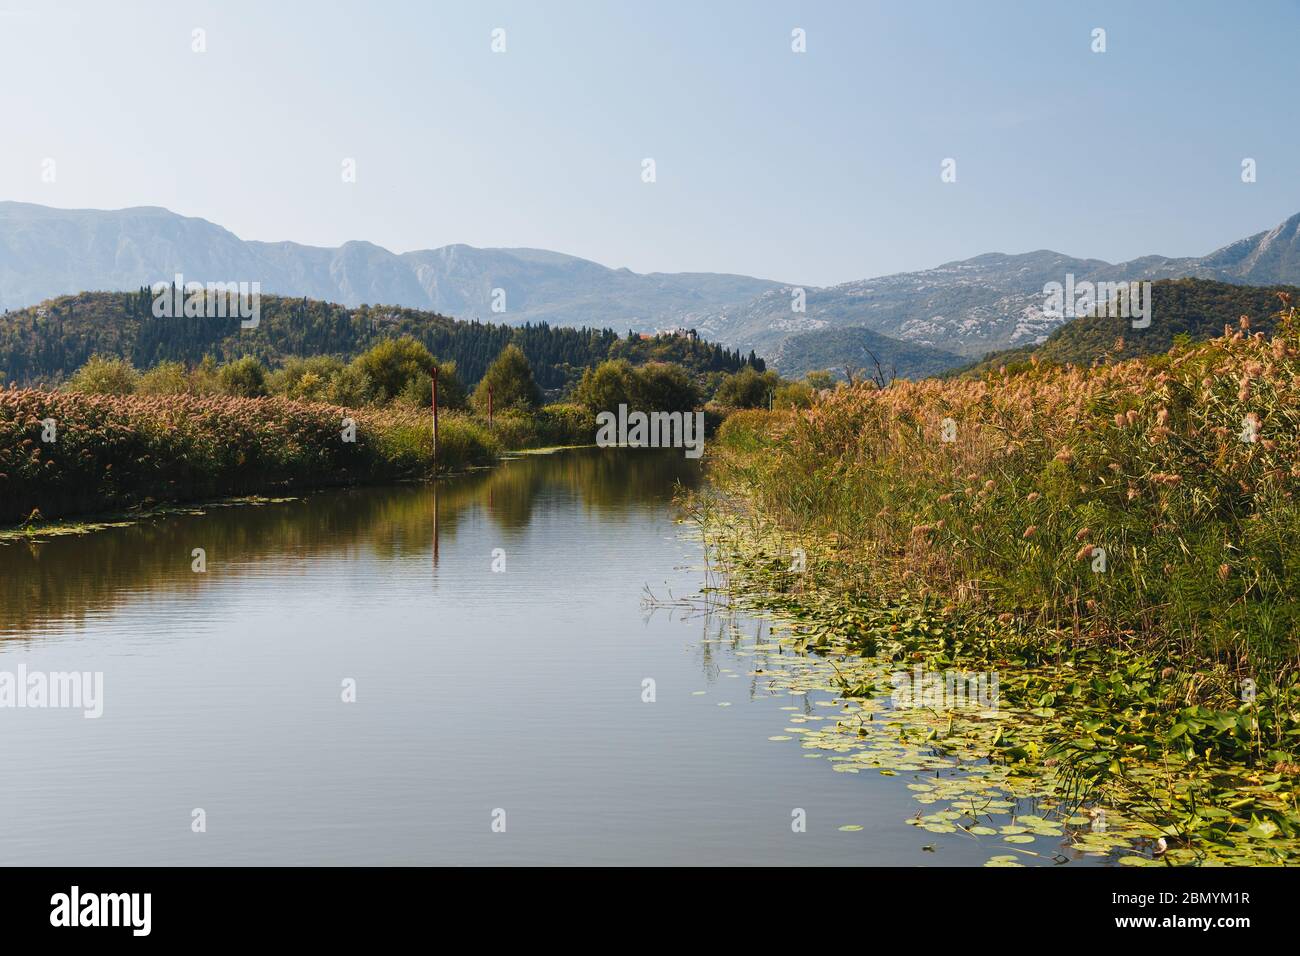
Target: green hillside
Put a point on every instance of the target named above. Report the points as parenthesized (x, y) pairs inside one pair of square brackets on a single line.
[(1193, 309), (46, 343), (858, 348)]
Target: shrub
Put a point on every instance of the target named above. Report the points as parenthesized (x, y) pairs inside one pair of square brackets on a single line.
[(607, 386), (102, 375), (510, 379), (793, 395), (661, 387), (242, 378), (165, 378), (746, 389), (391, 364)]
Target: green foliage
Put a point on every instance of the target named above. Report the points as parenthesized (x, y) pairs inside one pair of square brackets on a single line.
[(794, 395), (321, 378), (242, 378), (1169, 744), (391, 364), (1141, 463), (820, 379), (607, 386), (747, 389), (665, 388), (550, 426), (204, 378), (102, 375), (165, 378), (510, 380), (451, 393), (1183, 312), (685, 349), (46, 348), (653, 387), (566, 424)]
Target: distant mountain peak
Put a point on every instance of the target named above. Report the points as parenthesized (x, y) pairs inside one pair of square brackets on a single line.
[(987, 302), (966, 307)]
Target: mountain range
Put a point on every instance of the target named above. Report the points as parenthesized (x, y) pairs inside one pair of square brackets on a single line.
[(1190, 310), (46, 252), (991, 302), (949, 314)]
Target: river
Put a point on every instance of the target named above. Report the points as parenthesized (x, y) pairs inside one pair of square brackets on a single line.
[(494, 634)]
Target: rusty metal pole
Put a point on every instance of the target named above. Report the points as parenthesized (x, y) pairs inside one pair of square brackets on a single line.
[(435, 416)]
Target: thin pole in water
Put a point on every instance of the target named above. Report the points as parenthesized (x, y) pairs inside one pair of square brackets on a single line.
[(435, 416)]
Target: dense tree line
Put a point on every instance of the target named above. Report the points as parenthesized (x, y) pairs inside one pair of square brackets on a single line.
[(47, 343)]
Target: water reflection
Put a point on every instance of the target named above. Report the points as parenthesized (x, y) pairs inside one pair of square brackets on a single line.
[(475, 690), (56, 583)]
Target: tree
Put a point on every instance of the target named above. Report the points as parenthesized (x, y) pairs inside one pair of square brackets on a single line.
[(102, 375), (820, 380), (304, 378), (607, 386), (204, 377), (418, 390), (165, 378), (510, 379), (451, 390), (665, 388), (242, 378), (746, 389), (392, 363), (348, 386)]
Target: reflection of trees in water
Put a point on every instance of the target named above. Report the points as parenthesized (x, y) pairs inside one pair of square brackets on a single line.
[(609, 482), (62, 579)]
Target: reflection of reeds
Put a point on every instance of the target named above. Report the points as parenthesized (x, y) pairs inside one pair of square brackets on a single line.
[(1152, 461), (62, 579)]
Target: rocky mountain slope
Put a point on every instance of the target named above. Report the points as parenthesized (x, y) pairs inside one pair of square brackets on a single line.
[(987, 303), (965, 309), (46, 252)]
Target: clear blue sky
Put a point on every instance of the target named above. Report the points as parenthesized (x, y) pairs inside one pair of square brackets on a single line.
[(812, 168)]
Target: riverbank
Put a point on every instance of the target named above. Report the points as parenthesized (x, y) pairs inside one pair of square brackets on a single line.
[(1039, 748), (1148, 504), (1115, 545), (64, 455)]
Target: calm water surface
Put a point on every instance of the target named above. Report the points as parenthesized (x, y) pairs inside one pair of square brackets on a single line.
[(475, 689)]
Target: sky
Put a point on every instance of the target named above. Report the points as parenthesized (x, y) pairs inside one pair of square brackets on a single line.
[(811, 167)]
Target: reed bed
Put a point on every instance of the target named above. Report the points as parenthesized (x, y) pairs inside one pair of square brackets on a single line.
[(1148, 503), (63, 453)]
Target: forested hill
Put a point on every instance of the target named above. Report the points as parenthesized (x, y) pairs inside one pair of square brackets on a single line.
[(46, 343), (1189, 309)]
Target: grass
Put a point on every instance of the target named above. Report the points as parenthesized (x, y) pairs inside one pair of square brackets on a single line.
[(64, 454), (1119, 504), (1118, 543)]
